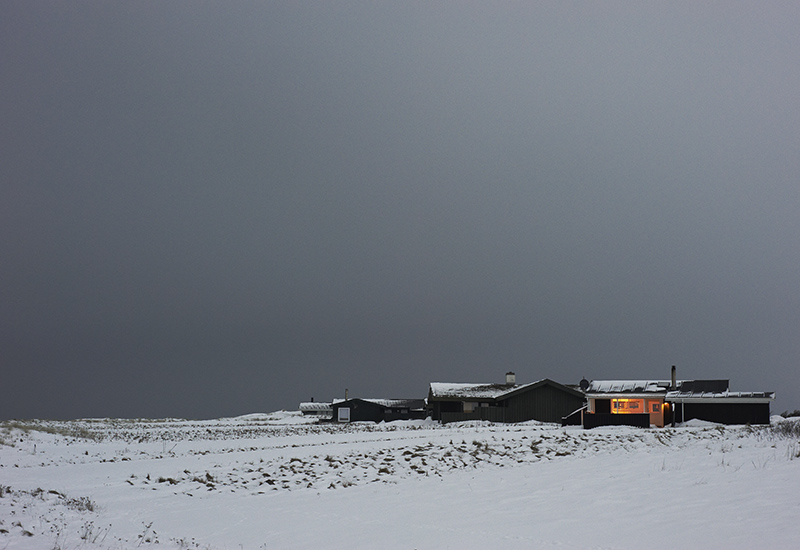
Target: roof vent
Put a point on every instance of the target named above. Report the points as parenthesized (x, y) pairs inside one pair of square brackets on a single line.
[(511, 378), (584, 384)]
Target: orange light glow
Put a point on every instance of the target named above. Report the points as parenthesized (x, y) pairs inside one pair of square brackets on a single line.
[(627, 406)]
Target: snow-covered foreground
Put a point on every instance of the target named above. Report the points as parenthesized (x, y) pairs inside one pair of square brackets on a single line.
[(281, 481)]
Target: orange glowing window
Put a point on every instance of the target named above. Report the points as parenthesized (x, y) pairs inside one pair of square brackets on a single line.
[(627, 406)]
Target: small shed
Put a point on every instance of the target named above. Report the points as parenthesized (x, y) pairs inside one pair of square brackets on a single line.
[(544, 400), (315, 408), (378, 410)]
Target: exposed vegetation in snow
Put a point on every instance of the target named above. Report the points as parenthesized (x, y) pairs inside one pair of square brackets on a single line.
[(108, 483)]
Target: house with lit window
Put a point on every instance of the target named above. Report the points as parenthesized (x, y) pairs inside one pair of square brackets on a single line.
[(658, 403), (625, 402)]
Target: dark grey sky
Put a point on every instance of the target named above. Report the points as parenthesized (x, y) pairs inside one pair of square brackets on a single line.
[(216, 208)]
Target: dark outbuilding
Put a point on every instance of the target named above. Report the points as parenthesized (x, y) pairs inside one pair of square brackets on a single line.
[(721, 407), (378, 410)]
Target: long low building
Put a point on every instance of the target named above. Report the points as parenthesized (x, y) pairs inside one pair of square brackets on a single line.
[(667, 402), (378, 410)]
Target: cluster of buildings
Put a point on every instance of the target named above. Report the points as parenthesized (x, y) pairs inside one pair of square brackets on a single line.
[(593, 403)]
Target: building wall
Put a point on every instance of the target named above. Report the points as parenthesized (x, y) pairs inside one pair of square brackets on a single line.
[(645, 405), (545, 404), (612, 419), (366, 411), (492, 414), (438, 409), (657, 416), (723, 413), (360, 411)]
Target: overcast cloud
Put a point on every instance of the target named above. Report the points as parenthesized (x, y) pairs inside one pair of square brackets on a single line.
[(217, 208)]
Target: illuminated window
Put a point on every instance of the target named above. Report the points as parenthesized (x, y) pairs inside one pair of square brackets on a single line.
[(627, 406)]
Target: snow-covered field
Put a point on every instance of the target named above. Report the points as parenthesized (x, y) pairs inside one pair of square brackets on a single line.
[(282, 481)]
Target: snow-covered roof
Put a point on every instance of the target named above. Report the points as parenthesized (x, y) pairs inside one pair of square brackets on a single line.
[(727, 396), (628, 386), (444, 390), (476, 391), (315, 406), (386, 403), (657, 386), (687, 390)]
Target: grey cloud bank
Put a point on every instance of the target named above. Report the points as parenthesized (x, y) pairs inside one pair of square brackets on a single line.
[(212, 210)]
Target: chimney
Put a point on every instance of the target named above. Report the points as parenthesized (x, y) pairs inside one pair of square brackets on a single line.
[(345, 394), (511, 379), (674, 384)]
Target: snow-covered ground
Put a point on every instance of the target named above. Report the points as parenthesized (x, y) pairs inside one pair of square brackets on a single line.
[(282, 481)]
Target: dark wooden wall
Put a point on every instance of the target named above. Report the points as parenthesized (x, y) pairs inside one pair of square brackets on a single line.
[(723, 413), (360, 411), (608, 419), (545, 404)]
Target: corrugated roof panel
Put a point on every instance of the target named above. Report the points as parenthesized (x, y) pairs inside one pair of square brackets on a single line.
[(719, 395), (315, 406), (627, 386)]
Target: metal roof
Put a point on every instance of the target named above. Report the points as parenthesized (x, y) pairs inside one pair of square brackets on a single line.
[(315, 406), (714, 386), (726, 396), (656, 386), (687, 390), (628, 386)]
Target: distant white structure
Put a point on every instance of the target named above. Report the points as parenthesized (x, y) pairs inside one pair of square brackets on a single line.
[(313, 408)]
